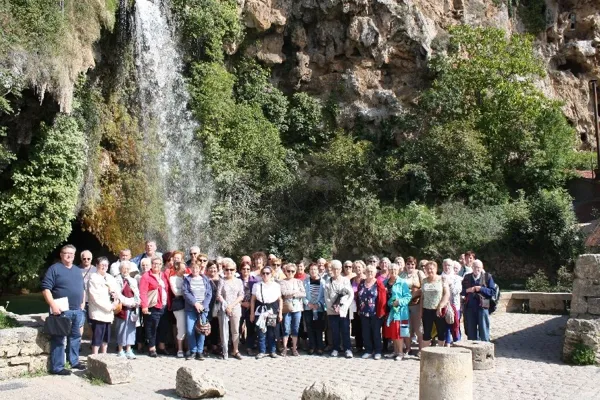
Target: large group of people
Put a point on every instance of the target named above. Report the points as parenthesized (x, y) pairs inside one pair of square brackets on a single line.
[(162, 304)]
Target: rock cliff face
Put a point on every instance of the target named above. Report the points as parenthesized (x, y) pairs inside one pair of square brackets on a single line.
[(372, 54)]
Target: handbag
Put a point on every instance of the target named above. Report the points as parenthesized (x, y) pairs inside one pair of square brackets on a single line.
[(177, 304), (152, 298), (58, 325), (449, 315), (271, 320), (133, 316), (118, 308), (200, 328), (484, 302)]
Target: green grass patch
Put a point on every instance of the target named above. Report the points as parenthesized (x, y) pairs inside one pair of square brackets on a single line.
[(94, 381), (7, 322)]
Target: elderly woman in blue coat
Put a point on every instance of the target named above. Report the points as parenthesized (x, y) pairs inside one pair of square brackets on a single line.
[(396, 324), (314, 310), (197, 293)]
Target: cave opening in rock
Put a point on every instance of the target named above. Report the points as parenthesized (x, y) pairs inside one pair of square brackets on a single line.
[(573, 66), (82, 240)]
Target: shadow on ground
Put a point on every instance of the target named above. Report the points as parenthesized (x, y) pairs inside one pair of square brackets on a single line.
[(542, 342), (169, 393)]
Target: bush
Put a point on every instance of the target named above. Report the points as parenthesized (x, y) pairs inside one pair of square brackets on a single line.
[(583, 355), (539, 282), (36, 213)]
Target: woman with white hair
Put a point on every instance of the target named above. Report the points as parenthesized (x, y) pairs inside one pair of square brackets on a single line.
[(338, 297), (103, 300), (479, 288), (230, 294), (455, 285), (127, 320)]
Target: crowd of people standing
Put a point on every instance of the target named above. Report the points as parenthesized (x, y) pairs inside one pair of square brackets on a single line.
[(208, 307)]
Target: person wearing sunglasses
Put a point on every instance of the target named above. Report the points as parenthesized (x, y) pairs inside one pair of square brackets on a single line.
[(230, 294), (87, 270), (278, 273), (194, 253), (266, 309), (202, 262), (293, 292), (248, 280)]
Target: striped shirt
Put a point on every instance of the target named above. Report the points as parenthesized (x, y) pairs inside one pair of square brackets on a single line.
[(315, 285), (198, 288)]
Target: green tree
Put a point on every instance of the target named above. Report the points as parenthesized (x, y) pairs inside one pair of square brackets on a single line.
[(36, 213)]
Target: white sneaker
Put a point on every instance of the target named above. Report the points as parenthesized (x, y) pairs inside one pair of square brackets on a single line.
[(121, 354), (349, 354), (377, 357), (334, 353), (366, 356), (180, 354), (130, 355)]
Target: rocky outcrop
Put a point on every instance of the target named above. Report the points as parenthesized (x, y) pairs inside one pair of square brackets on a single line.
[(373, 54), (583, 328)]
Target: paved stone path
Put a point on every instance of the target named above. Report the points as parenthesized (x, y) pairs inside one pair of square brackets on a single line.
[(528, 366)]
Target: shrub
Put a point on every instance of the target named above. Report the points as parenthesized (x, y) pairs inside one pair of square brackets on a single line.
[(583, 355), (36, 213), (539, 282)]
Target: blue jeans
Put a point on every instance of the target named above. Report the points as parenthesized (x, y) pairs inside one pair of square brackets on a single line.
[(339, 326), (266, 340), (57, 343), (314, 329), (477, 323), (371, 331), (195, 340), (291, 323)]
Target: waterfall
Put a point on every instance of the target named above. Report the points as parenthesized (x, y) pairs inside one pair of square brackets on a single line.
[(173, 155)]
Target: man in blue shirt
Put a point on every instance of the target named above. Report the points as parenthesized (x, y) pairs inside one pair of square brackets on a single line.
[(150, 247), (64, 280)]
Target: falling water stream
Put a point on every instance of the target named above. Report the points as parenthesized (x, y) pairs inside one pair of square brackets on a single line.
[(169, 131)]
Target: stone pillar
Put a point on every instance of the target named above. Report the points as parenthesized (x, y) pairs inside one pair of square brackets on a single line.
[(483, 353), (446, 373), (583, 326)]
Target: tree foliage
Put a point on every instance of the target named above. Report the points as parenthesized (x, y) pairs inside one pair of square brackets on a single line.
[(36, 214)]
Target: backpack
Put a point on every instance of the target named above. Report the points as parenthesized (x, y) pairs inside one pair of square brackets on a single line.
[(495, 299)]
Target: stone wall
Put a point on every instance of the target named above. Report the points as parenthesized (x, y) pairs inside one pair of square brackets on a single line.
[(24, 349), (534, 302), (584, 324)]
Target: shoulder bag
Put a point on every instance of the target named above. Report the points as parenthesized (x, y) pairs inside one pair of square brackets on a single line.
[(271, 320), (58, 325)]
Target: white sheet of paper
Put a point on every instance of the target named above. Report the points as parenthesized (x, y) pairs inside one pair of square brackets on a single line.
[(63, 303)]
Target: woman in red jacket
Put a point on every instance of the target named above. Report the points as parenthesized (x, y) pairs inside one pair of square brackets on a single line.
[(372, 299), (154, 289)]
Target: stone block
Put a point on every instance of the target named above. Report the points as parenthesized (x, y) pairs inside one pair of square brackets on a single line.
[(194, 384), (21, 360), (593, 305), (32, 349), (330, 390), (482, 352), (586, 288), (588, 266), (38, 363), (446, 373), (3, 362), (582, 330), (110, 369), (579, 306), (9, 350), (13, 372)]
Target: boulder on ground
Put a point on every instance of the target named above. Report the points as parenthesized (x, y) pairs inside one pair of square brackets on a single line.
[(110, 369), (198, 385), (329, 390)]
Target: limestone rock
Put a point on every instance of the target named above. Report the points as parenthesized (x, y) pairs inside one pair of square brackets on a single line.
[(110, 369), (197, 385), (446, 373), (329, 390), (585, 331), (482, 352)]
